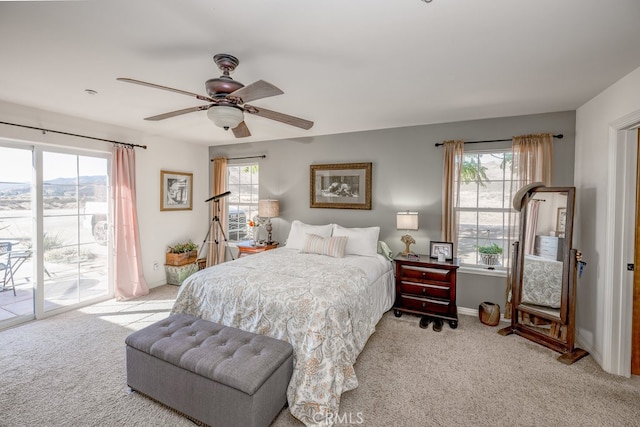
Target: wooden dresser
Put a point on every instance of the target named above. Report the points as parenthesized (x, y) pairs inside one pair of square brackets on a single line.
[(426, 287), (549, 247)]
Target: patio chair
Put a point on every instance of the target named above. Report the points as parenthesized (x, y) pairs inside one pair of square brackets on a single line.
[(5, 265)]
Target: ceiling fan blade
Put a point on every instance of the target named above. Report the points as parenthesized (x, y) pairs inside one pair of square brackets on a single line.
[(280, 117), (177, 113), (170, 89), (256, 90), (241, 131)]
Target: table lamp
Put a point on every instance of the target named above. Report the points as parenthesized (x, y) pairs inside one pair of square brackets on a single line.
[(268, 209), (407, 221)]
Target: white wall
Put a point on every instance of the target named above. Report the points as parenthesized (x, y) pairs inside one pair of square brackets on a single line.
[(407, 174), (604, 178), (157, 229)]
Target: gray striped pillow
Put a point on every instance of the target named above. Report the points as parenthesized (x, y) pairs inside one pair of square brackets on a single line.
[(331, 246)]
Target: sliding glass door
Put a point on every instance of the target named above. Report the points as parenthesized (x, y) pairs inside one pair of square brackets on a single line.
[(16, 235), (75, 230), (54, 217)]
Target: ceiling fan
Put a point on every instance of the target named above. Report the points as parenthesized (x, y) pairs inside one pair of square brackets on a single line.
[(227, 99)]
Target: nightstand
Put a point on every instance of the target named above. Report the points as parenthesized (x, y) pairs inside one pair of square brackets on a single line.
[(426, 287), (549, 247), (248, 248)]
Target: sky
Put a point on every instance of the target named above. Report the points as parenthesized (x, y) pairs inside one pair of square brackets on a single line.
[(16, 165)]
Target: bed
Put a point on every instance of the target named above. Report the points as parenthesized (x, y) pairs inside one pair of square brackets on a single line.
[(542, 281), (326, 306)]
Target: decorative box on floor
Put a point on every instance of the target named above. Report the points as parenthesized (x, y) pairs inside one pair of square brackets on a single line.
[(213, 374), (177, 274), (183, 258)]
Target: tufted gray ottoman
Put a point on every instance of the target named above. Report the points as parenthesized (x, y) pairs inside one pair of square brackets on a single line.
[(214, 374)]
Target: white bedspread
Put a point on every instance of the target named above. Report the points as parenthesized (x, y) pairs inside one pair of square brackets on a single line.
[(327, 308)]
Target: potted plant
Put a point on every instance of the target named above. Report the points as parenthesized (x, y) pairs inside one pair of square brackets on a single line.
[(182, 253), (490, 254)]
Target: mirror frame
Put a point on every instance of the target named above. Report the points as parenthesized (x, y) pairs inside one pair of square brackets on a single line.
[(564, 324), (566, 249)]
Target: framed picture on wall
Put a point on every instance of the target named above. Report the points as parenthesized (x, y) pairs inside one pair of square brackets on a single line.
[(341, 186), (561, 220), (176, 191)]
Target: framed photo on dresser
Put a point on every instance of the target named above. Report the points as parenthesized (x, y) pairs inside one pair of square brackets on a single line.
[(437, 248)]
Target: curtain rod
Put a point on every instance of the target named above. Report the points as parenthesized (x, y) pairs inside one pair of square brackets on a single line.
[(243, 158), (438, 144), (74, 134)]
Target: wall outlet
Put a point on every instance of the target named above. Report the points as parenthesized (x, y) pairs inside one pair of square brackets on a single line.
[(155, 265)]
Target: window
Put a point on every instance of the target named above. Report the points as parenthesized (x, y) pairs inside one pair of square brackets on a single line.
[(242, 181), (485, 208)]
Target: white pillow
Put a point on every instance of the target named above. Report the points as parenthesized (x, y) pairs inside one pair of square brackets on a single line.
[(362, 241), (332, 246), (299, 231)]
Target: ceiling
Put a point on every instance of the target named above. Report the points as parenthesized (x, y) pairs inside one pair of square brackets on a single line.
[(345, 65)]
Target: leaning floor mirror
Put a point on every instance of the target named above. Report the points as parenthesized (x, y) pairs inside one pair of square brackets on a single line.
[(544, 270)]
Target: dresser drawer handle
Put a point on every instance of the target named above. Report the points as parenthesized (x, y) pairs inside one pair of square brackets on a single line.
[(424, 304)]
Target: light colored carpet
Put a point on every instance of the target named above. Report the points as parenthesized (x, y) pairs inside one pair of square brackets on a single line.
[(69, 370)]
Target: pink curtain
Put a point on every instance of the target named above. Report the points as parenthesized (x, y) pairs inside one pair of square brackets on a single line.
[(129, 279)]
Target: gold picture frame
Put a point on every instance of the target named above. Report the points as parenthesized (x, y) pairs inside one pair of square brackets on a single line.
[(176, 191), (341, 186)]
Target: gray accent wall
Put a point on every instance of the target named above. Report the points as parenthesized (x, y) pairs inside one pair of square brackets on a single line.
[(407, 175)]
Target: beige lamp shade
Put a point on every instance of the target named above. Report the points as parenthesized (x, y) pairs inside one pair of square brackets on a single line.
[(407, 220), (268, 208)]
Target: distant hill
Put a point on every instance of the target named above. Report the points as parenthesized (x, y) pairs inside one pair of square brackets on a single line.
[(88, 186)]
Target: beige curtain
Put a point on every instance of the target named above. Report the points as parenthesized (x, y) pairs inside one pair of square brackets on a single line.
[(128, 276), (453, 153), (532, 157), (216, 251)]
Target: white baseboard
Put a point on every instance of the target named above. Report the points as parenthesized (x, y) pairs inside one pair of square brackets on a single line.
[(474, 312)]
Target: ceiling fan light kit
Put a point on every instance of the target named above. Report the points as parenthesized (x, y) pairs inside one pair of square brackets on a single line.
[(225, 116), (227, 99)]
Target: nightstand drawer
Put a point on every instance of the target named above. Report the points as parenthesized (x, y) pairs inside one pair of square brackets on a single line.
[(425, 289), (424, 304), (424, 273), (549, 252)]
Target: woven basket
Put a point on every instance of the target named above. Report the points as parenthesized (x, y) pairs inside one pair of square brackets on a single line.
[(489, 313), (490, 259)]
